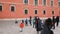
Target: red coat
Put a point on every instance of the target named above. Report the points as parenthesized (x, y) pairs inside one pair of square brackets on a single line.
[(21, 25)]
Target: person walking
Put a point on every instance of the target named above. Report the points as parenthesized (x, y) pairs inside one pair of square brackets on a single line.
[(38, 25), (21, 26), (53, 22), (33, 22), (37, 29), (57, 21), (30, 20), (26, 22)]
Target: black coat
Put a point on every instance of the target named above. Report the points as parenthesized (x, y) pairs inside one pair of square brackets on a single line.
[(45, 30), (38, 25), (57, 18)]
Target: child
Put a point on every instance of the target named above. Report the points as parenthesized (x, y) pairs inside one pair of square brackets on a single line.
[(21, 26)]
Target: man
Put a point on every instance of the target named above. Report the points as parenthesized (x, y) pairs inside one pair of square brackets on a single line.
[(47, 27), (57, 20), (30, 20), (53, 22), (34, 20)]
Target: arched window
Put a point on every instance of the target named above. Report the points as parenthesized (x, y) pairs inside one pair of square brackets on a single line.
[(0, 7), (12, 8), (26, 11), (44, 12), (52, 12), (36, 11)]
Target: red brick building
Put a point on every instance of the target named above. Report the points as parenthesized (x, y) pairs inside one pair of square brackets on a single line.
[(27, 8)]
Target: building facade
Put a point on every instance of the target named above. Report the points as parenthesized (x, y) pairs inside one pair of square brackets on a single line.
[(27, 8)]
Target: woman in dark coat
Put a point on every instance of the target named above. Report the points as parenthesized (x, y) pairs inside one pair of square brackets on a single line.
[(38, 25), (37, 29)]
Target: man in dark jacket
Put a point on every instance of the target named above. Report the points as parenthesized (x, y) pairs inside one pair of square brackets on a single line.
[(47, 27), (53, 22), (57, 20), (30, 20)]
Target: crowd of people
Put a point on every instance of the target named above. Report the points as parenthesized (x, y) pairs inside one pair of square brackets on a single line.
[(43, 28)]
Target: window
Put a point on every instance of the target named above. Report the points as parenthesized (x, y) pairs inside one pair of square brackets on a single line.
[(26, 1), (0, 7), (44, 2), (36, 2), (26, 11), (59, 4), (36, 11), (44, 12), (53, 12), (12, 8), (51, 2), (59, 12)]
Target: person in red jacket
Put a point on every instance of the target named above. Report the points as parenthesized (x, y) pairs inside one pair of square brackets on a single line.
[(21, 26)]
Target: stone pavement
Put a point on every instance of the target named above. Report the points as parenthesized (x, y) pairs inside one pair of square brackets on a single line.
[(9, 27)]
